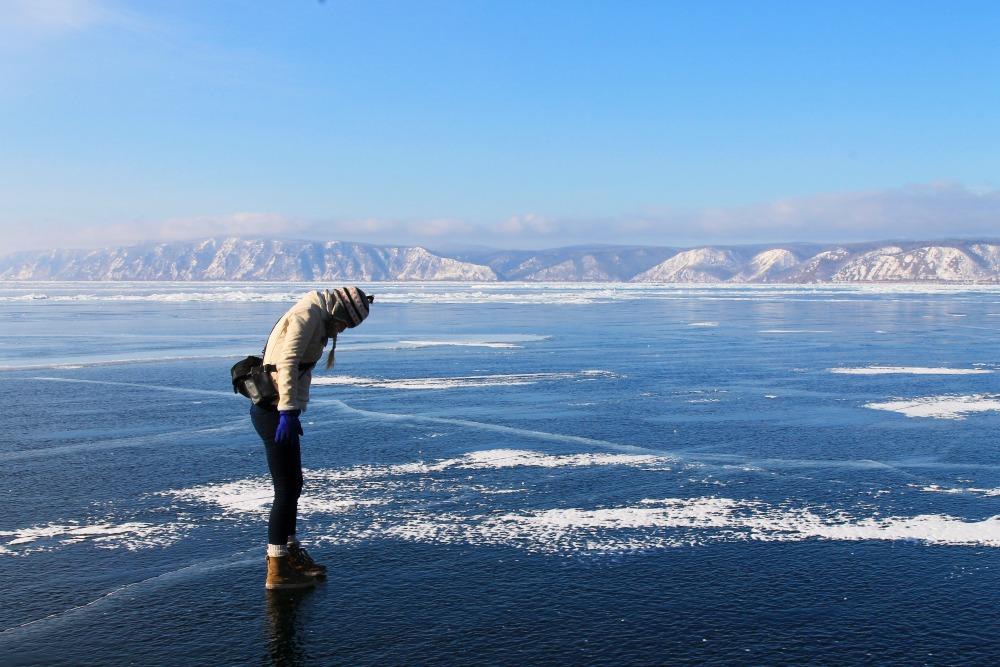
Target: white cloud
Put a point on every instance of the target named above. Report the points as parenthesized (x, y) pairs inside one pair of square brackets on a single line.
[(932, 210), (45, 236), (236, 224), (919, 212), (924, 211), (528, 223), (442, 228)]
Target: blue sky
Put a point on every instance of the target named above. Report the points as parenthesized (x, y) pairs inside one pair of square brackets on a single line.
[(512, 124)]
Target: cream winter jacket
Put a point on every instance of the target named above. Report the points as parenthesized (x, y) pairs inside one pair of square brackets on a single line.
[(299, 338)]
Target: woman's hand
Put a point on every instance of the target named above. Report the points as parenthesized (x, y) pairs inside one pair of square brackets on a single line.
[(289, 427)]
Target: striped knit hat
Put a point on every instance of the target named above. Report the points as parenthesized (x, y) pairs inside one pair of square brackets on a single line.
[(352, 305)]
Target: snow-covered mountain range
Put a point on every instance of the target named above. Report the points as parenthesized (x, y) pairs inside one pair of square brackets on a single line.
[(242, 259), (286, 260)]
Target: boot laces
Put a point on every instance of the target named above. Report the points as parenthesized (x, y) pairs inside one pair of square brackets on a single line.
[(302, 556)]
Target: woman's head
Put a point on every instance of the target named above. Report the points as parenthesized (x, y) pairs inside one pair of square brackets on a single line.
[(352, 306), (350, 309)]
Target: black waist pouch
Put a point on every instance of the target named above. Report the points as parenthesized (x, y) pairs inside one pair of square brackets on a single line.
[(252, 378)]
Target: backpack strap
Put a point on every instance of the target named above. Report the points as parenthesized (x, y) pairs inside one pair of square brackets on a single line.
[(264, 353), (304, 367)]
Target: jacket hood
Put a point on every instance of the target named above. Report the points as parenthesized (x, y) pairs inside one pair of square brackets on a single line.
[(326, 300)]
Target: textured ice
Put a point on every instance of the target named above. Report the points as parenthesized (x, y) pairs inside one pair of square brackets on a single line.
[(941, 407), (403, 467)]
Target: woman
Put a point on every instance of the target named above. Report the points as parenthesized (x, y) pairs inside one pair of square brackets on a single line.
[(295, 345)]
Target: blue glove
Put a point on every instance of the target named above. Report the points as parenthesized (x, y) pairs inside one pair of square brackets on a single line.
[(289, 427)]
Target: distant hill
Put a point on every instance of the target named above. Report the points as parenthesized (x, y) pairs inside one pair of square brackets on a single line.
[(963, 261), (936, 261), (242, 259)]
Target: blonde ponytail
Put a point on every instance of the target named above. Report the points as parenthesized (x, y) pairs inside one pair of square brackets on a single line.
[(333, 349)]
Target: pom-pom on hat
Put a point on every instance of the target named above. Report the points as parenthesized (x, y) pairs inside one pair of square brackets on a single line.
[(352, 305)]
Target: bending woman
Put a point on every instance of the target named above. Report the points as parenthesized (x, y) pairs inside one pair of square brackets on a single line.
[(295, 345)]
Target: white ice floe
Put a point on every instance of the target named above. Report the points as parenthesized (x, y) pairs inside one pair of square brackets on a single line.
[(131, 535), (460, 381), (941, 407), (907, 370)]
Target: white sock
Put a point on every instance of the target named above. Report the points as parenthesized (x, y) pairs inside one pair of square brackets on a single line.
[(293, 540), (277, 550)]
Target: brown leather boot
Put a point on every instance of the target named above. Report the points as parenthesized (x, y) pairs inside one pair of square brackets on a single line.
[(282, 574), (303, 562)]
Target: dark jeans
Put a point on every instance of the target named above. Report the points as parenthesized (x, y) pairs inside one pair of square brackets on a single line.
[(285, 462)]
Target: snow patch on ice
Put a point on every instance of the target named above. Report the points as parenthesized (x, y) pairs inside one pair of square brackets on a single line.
[(337, 490), (941, 407), (460, 381), (254, 495), (446, 502), (131, 535), (907, 370), (458, 343), (434, 508), (674, 522), (935, 488), (498, 341)]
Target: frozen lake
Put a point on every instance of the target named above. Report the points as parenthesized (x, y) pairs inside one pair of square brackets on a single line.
[(509, 474)]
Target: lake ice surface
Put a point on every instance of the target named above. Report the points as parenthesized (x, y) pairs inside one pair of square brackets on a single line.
[(509, 474)]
